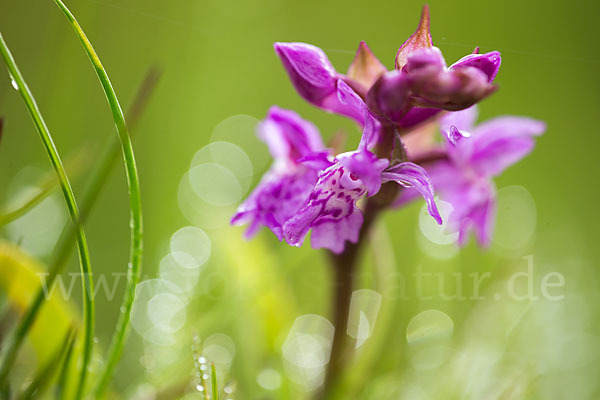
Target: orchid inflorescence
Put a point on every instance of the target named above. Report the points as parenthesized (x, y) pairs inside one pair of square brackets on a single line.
[(309, 187)]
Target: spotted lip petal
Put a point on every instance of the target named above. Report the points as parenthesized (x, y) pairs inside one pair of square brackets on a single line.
[(367, 167), (411, 175), (314, 77), (331, 212)]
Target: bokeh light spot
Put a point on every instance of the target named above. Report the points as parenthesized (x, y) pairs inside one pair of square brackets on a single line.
[(429, 326), (190, 247)]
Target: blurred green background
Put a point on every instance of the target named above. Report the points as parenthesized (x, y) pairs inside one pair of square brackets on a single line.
[(220, 74)]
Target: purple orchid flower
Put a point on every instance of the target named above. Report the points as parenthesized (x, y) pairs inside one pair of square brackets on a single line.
[(299, 154), (331, 211), (476, 154), (419, 87), (308, 189)]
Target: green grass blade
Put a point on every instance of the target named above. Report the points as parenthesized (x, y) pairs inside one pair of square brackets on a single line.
[(61, 384), (134, 268), (136, 109), (9, 351), (46, 186), (97, 181), (101, 173), (213, 379), (43, 377), (10, 215)]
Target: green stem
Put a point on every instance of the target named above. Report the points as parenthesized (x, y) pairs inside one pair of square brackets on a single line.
[(10, 350), (134, 267), (344, 266), (344, 269)]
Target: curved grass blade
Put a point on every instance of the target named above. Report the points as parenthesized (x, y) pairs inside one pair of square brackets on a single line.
[(134, 267), (9, 351), (61, 384), (106, 164), (102, 172), (43, 377), (96, 183)]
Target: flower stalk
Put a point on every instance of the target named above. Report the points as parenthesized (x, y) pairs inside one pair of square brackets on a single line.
[(344, 266)]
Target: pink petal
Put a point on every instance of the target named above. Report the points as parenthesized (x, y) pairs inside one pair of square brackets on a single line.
[(411, 175), (502, 141)]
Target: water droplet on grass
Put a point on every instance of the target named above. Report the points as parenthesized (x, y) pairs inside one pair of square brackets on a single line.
[(13, 82)]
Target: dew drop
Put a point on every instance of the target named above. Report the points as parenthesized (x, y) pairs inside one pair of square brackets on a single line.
[(13, 82)]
